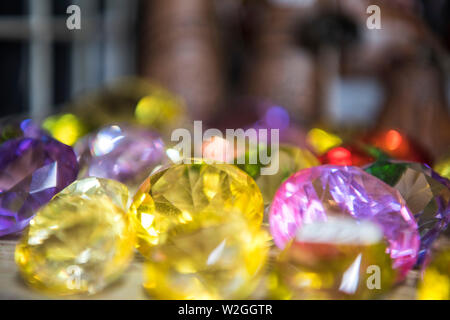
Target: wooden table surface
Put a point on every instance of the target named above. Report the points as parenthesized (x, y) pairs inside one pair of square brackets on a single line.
[(129, 287)]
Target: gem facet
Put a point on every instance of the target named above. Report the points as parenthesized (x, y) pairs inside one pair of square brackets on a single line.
[(32, 171), (427, 195), (337, 259), (184, 196), (123, 153), (318, 193), (222, 261), (81, 241)]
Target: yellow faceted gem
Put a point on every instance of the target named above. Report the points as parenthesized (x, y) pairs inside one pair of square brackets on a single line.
[(290, 160), (66, 128), (224, 261), (443, 167), (81, 241), (182, 197), (322, 141), (435, 284)]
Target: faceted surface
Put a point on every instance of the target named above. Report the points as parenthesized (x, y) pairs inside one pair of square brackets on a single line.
[(291, 159), (81, 241), (318, 193), (351, 155), (435, 284), (120, 152), (335, 260), (442, 167), (32, 171), (427, 195), (66, 128), (222, 261), (179, 198)]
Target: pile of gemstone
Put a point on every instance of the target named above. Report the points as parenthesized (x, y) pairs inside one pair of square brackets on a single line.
[(338, 221)]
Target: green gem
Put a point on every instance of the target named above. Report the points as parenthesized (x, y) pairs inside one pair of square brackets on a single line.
[(387, 171)]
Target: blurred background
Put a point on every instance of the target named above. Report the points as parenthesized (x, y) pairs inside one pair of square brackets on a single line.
[(223, 58)]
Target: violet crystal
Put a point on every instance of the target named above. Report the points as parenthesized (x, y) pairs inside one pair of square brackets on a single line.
[(32, 171), (317, 193)]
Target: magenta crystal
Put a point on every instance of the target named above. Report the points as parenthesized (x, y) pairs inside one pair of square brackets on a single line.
[(317, 193), (121, 152), (32, 171)]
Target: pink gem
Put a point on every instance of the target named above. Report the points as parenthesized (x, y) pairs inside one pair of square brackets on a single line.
[(317, 193)]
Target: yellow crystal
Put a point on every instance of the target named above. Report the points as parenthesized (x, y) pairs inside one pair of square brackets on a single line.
[(443, 167), (81, 241), (291, 159), (183, 197), (435, 284), (322, 141), (224, 261)]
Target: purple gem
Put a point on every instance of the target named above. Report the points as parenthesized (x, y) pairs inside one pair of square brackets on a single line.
[(14, 128), (120, 152), (32, 171), (317, 193)]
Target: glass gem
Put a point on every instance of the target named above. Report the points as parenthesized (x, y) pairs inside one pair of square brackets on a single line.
[(290, 160), (66, 128), (435, 283), (427, 195), (398, 146), (339, 258), (222, 261), (32, 171), (132, 100), (183, 196), (442, 167), (81, 241), (351, 155), (17, 127), (318, 193), (120, 152), (321, 141)]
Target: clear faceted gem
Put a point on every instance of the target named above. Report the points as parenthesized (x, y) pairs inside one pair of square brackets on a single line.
[(81, 241), (340, 258), (32, 171), (427, 195), (318, 193), (124, 153), (221, 261), (184, 196)]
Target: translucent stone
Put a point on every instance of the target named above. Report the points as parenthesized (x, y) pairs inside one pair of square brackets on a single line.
[(184, 196), (321, 141), (66, 128), (435, 283), (442, 167), (121, 152), (81, 241), (222, 261), (337, 259), (133, 100), (319, 193), (290, 160), (427, 195)]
